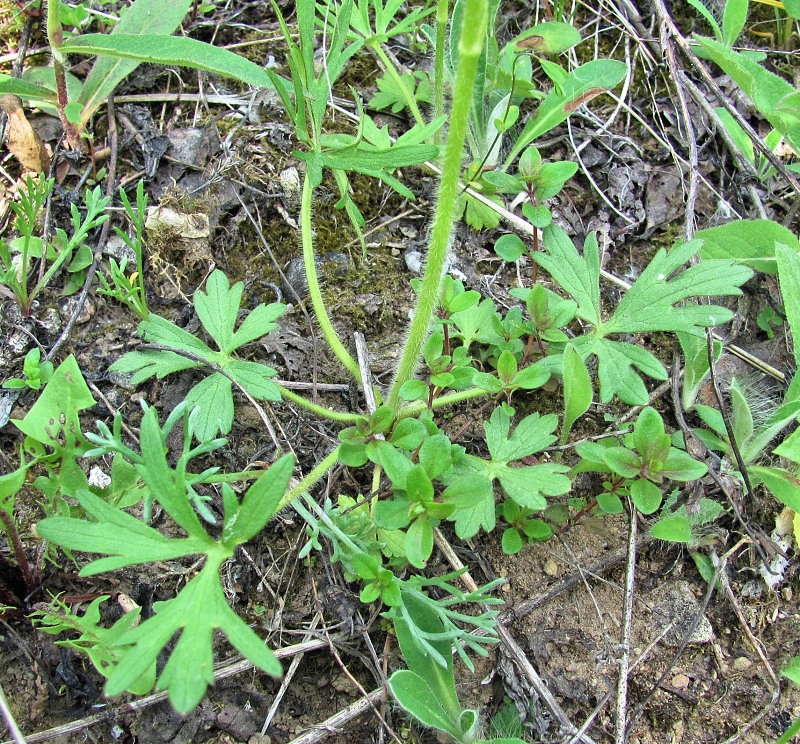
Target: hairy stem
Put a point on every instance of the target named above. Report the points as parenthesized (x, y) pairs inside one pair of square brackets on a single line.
[(308, 481), (470, 45), (314, 292), (438, 69), (55, 37), (345, 418)]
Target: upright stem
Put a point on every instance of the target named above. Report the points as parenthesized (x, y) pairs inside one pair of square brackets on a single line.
[(55, 37), (350, 364), (19, 551), (438, 69), (470, 45)]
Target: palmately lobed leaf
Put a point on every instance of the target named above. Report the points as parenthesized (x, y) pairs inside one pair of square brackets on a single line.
[(651, 304)]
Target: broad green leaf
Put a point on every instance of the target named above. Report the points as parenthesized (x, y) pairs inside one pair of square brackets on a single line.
[(646, 496), (734, 17), (550, 37), (144, 17), (164, 483), (124, 539), (790, 447), (213, 398), (260, 501), (255, 379), (419, 541), (577, 275), (218, 307), (161, 331), (509, 247), (610, 503), (479, 512), (527, 484), (511, 541), (531, 377), (419, 700), (415, 616), (681, 466), (789, 278), (615, 369), (784, 486), (197, 611), (435, 455), (506, 367), (623, 461), (673, 529), (409, 433), (792, 670), (25, 90), (418, 485), (392, 514), (532, 434), (577, 389), (54, 416), (750, 242), (151, 363), (54, 421)]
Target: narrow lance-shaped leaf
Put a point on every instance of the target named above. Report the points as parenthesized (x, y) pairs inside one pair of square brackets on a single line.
[(581, 85), (577, 389), (180, 51)]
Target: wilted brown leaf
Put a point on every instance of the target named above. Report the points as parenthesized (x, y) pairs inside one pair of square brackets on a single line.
[(23, 142)]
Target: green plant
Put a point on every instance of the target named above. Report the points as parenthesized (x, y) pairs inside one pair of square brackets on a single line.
[(36, 371), (177, 350), (53, 437), (523, 528), (129, 289), (774, 98), (639, 466), (755, 421), (70, 252), (427, 691), (104, 646), (653, 303), (458, 348), (792, 672), (200, 607), (505, 81)]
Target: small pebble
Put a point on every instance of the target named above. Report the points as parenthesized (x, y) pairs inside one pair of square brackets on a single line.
[(551, 567), (741, 663), (680, 682)]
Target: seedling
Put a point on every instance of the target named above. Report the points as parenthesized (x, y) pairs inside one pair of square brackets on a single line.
[(127, 288), (36, 371), (640, 466), (427, 691), (70, 252)]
